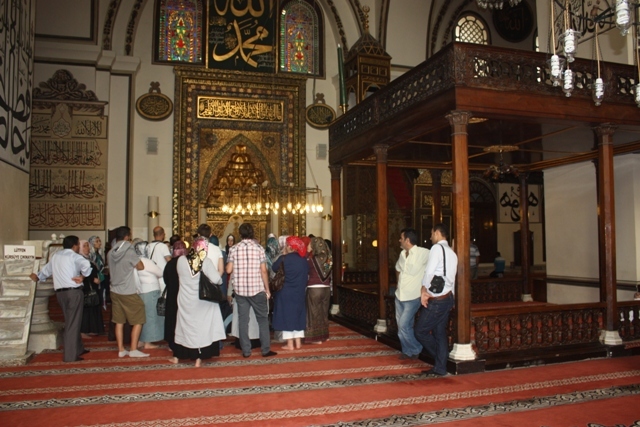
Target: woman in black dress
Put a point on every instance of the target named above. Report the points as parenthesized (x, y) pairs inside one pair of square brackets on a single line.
[(92, 322), (172, 284)]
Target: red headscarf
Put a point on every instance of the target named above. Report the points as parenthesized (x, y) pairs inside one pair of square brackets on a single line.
[(297, 245), (306, 240)]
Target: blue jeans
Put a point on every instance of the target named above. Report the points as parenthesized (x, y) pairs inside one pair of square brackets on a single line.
[(431, 331), (261, 309), (405, 318)]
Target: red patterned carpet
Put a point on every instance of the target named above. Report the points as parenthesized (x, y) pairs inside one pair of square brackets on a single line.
[(349, 381)]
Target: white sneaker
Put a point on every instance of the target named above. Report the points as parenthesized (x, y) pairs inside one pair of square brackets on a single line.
[(138, 353), (123, 353)]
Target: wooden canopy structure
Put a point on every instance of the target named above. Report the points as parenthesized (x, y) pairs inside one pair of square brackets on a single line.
[(445, 112)]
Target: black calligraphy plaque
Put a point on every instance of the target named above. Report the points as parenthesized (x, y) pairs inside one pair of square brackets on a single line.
[(514, 24), (320, 116), (241, 35)]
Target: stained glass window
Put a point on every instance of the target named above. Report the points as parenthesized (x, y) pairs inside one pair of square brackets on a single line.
[(179, 31), (301, 38), (471, 29)]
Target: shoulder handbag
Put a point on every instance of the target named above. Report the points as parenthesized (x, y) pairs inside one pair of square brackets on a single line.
[(209, 291), (277, 282), (161, 305), (437, 283), (91, 298)]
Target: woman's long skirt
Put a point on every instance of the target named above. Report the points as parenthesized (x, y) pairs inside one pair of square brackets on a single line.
[(318, 302), (153, 328)]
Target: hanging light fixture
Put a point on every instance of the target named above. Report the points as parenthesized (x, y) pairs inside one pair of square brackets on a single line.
[(598, 85), (501, 171), (241, 189)]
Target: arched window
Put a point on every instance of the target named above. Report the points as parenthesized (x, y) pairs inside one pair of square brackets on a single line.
[(471, 29), (301, 38), (179, 30)]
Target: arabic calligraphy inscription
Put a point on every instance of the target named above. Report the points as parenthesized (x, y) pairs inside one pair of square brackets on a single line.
[(241, 35)]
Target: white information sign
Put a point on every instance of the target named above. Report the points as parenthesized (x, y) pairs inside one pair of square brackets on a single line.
[(19, 252)]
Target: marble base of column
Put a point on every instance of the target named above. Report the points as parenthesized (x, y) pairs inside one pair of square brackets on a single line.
[(527, 298), (610, 337), (335, 309), (462, 352), (44, 334), (381, 326)]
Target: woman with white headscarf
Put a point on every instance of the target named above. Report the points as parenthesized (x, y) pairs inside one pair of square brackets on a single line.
[(149, 291), (199, 325)]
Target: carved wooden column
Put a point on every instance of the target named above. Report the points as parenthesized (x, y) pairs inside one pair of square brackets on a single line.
[(607, 229), (436, 186), (336, 232), (383, 233), (459, 121), (524, 239), (602, 268)]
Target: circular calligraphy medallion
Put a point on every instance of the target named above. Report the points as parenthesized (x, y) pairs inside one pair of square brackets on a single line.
[(154, 106), (514, 24), (320, 115)]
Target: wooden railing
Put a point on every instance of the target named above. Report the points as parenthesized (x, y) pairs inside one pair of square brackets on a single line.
[(476, 66), (513, 329), (629, 315), (359, 303)]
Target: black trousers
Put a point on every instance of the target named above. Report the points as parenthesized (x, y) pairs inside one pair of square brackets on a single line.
[(72, 304)]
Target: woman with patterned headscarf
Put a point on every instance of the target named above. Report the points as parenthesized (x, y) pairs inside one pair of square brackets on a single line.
[(149, 290), (96, 256), (318, 292), (289, 311), (172, 283), (199, 325), (272, 251), (92, 322)]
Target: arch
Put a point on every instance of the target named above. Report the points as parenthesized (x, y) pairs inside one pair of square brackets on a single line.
[(383, 23), (134, 18), (254, 152), (336, 17), (109, 22)]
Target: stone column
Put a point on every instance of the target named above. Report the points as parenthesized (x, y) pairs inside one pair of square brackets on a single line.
[(380, 151), (459, 121), (607, 230)]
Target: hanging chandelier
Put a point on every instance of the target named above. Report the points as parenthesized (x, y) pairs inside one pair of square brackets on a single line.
[(495, 4), (240, 188), (501, 171), (623, 14)]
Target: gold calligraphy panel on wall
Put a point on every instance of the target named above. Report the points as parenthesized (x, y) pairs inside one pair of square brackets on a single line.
[(260, 110), (241, 35), (68, 180)]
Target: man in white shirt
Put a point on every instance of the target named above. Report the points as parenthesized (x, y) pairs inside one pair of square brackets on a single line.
[(409, 271), (213, 252), (431, 327), (158, 252), (67, 268)]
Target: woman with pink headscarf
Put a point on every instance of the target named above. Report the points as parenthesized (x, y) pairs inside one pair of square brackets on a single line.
[(289, 311)]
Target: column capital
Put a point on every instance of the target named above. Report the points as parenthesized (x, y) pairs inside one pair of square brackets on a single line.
[(605, 132), (335, 171), (459, 118), (380, 151)]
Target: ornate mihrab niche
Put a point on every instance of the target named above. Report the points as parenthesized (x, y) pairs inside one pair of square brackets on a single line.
[(218, 112)]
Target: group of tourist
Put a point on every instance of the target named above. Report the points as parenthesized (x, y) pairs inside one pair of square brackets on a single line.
[(140, 272), (425, 287)]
